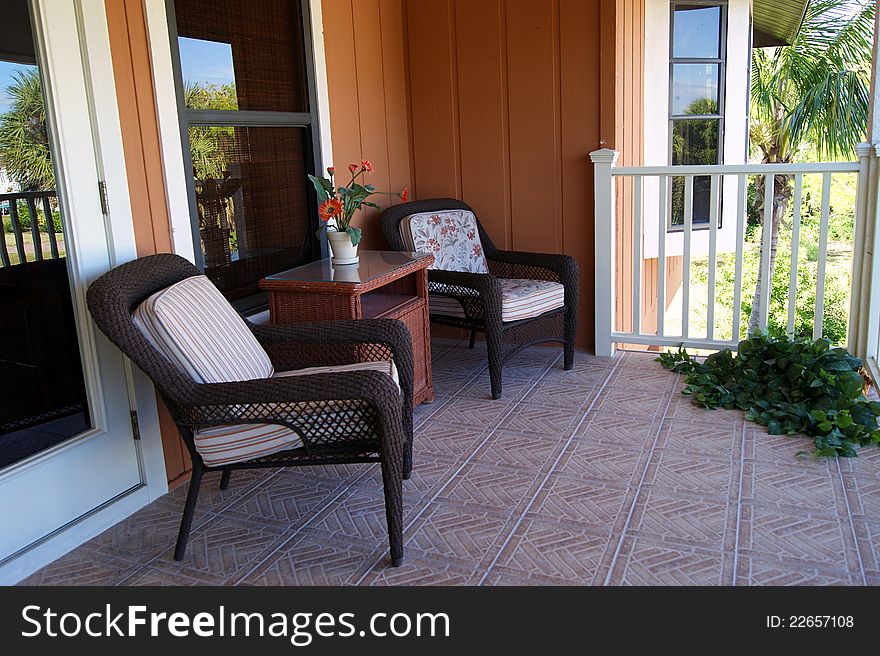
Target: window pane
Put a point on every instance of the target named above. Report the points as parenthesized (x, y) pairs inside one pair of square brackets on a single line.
[(696, 31), (251, 50), (702, 191), (695, 88), (208, 74), (43, 400), (695, 141), (252, 202)]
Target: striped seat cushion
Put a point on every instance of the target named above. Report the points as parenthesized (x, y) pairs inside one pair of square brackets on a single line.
[(520, 299), (196, 328), (524, 299), (231, 443)]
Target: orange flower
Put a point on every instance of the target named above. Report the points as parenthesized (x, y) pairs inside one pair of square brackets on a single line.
[(405, 194), (353, 167), (329, 208), (367, 165), (331, 171)]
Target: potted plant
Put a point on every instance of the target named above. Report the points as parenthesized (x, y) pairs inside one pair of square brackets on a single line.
[(338, 205)]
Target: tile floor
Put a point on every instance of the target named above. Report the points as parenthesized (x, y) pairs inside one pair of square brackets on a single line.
[(604, 475)]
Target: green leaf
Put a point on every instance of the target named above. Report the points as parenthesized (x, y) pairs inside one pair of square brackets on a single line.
[(322, 186), (355, 234)]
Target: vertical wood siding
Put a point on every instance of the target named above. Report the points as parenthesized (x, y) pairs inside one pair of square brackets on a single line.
[(143, 163)]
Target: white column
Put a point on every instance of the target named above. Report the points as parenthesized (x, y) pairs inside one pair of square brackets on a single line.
[(603, 162)]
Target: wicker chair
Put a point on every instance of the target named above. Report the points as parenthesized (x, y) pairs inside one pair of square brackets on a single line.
[(480, 294), (340, 417)]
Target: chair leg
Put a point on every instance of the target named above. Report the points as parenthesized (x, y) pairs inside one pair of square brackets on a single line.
[(407, 459), (473, 341), (224, 479), (569, 355), (188, 509), (493, 347), (393, 484)]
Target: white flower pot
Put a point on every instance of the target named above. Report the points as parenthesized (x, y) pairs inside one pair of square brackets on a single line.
[(342, 249)]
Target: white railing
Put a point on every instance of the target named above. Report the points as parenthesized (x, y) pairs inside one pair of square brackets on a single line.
[(607, 179)]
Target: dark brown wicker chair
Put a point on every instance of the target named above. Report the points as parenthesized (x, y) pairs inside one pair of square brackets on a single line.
[(480, 294), (377, 418)]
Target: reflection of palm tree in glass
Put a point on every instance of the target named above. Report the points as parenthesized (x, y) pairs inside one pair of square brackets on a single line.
[(694, 141)]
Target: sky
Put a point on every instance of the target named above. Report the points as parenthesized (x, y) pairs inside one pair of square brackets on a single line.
[(206, 61), (7, 70)]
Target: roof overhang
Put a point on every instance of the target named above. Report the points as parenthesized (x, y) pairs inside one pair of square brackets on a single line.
[(776, 22)]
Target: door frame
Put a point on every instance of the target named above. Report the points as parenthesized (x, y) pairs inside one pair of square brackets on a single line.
[(78, 74)]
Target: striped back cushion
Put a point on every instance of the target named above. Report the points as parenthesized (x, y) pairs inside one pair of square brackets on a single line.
[(196, 328)]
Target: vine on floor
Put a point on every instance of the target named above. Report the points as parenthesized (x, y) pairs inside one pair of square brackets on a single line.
[(792, 387)]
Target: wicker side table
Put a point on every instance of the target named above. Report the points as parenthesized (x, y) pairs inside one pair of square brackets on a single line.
[(384, 284)]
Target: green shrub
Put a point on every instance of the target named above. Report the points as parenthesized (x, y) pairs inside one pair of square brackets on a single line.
[(792, 387), (24, 220)]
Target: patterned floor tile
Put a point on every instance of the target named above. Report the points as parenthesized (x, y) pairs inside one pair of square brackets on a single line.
[(800, 486), (83, 567), (817, 538), (559, 395), (762, 570), (664, 515), (448, 439), (703, 476), (602, 473), (629, 432), (547, 551), (518, 450), (482, 486), (624, 402), (147, 533), (696, 439), (311, 559), (538, 419), (643, 562), (456, 533), (602, 461), (223, 550), (419, 570), (359, 514), (594, 504), (285, 502)]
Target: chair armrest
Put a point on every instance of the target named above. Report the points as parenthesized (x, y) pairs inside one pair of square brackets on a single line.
[(288, 345), (482, 283), (287, 400), (535, 266)]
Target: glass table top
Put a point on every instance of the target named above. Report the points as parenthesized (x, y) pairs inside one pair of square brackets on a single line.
[(372, 264)]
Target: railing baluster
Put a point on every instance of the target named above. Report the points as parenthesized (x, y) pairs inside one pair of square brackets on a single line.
[(742, 187), (795, 248), (4, 252), (637, 254), (50, 226), (661, 257), (766, 234), (714, 190), (16, 231), (686, 254), (35, 228), (819, 316)]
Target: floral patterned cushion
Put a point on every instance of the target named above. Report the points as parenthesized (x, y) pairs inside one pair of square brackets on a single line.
[(450, 236)]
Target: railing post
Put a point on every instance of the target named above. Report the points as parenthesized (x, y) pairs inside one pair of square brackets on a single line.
[(858, 336), (605, 220)]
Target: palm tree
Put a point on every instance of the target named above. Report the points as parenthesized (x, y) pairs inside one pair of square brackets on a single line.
[(813, 92), (24, 141)]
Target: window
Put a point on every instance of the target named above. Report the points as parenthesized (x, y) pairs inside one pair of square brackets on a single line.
[(696, 99), (248, 114)]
